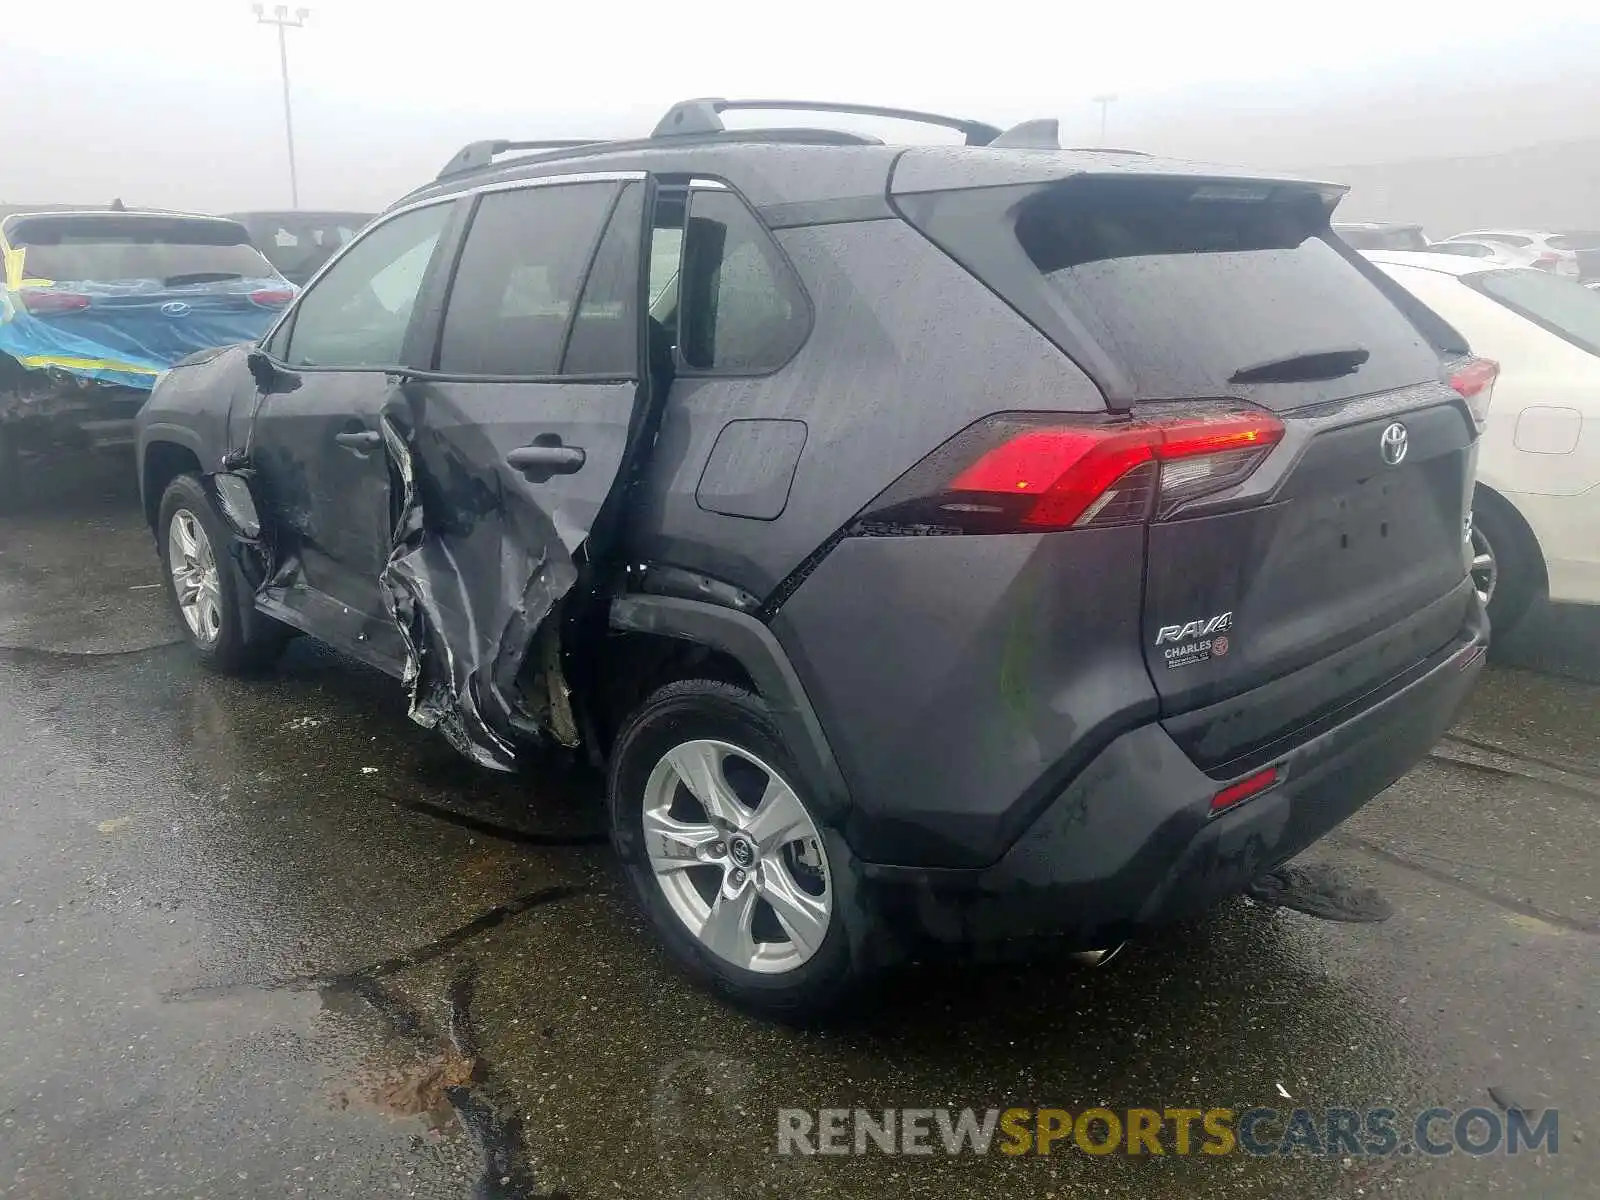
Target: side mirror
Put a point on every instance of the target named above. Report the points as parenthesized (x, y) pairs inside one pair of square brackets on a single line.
[(261, 370)]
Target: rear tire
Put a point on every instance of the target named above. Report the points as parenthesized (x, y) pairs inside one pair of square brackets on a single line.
[(210, 596), (1506, 564), (771, 937)]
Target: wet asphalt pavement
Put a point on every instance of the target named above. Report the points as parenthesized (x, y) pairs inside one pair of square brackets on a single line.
[(266, 938)]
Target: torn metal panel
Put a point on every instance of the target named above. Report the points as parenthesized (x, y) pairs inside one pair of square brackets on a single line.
[(466, 642), (473, 581), (237, 504)]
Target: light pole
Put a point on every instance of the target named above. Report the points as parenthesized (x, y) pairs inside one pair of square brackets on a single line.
[(1105, 100), (281, 18)]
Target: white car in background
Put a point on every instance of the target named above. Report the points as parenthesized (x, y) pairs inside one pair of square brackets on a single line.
[(1490, 252), (1536, 512), (1548, 251), (1382, 235)]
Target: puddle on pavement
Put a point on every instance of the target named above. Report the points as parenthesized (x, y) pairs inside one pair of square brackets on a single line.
[(415, 1088), (430, 1072)]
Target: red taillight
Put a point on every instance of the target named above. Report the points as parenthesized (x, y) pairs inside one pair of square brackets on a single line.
[(1473, 379), (1064, 471), (272, 297), (38, 300), (1244, 789), (1020, 472), (1547, 261)]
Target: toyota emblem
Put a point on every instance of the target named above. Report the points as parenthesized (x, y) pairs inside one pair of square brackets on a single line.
[(1394, 443)]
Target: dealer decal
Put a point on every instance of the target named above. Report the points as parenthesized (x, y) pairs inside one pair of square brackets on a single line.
[(1196, 641)]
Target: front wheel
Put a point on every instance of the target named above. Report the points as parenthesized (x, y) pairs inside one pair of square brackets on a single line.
[(733, 864), (209, 592)]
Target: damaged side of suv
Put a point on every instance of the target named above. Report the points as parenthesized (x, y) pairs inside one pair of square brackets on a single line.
[(432, 454)]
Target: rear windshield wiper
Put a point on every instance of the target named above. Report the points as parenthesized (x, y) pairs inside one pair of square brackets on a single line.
[(201, 277), (1303, 368)]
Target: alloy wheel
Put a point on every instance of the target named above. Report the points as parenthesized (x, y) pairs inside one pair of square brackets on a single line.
[(1485, 568), (737, 857), (195, 579)]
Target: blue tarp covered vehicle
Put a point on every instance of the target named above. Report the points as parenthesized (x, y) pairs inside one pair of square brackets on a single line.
[(95, 305)]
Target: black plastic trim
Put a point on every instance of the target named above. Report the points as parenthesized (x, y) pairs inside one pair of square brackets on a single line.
[(757, 650)]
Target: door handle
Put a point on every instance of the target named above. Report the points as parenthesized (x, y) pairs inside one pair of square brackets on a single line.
[(553, 459), (360, 439)]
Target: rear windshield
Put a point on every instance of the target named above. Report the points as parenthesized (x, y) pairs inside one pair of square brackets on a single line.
[(1402, 237), (1188, 285), (1567, 309), (295, 242), (112, 248), (1574, 241)]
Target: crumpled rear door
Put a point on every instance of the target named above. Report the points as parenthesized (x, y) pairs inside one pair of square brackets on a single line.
[(512, 457)]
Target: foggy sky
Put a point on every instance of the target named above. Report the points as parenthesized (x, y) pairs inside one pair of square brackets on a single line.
[(178, 103)]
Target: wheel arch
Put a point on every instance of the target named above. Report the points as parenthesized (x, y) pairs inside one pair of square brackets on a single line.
[(167, 452), (1509, 513), (726, 642)]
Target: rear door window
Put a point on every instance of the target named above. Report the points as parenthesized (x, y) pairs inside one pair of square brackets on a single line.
[(605, 333), (1187, 286), (742, 312), (1565, 308), (518, 280), (120, 248)]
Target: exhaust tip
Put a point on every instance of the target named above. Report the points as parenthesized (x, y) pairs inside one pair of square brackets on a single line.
[(1096, 958)]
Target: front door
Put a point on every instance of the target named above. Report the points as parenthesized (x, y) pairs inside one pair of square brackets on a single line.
[(537, 405), (324, 479)]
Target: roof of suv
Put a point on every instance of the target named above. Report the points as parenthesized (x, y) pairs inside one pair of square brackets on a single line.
[(798, 165)]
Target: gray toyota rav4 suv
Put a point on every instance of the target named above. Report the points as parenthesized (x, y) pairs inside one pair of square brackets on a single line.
[(937, 544)]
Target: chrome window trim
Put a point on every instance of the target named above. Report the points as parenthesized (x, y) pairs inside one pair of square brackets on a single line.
[(510, 185)]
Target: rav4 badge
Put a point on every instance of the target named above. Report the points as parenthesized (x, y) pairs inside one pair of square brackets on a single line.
[(1195, 641)]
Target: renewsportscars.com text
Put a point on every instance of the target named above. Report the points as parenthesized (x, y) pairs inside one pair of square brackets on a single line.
[(1341, 1132)]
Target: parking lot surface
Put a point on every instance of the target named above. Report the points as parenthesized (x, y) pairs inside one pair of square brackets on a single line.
[(265, 937)]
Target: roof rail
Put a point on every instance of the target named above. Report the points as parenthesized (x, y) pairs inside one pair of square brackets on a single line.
[(704, 116), (480, 154)]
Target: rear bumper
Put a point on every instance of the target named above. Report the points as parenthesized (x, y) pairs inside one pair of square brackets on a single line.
[(1131, 843)]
